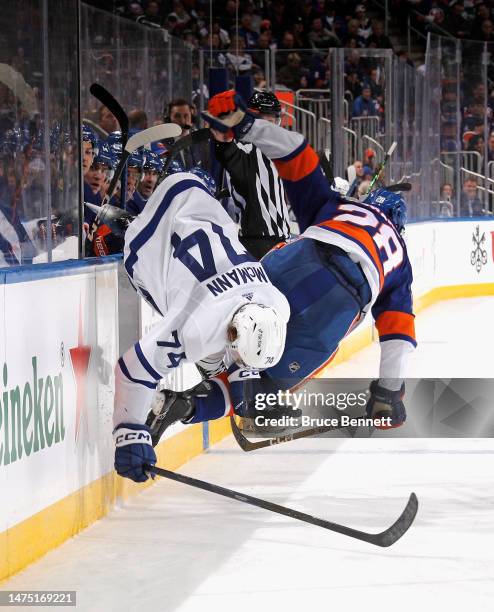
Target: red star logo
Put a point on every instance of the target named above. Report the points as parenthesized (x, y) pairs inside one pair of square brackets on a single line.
[(80, 356)]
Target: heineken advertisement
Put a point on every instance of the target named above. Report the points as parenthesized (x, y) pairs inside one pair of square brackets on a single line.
[(58, 347), (31, 415)]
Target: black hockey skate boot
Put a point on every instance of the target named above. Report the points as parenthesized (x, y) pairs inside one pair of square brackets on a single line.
[(171, 406)]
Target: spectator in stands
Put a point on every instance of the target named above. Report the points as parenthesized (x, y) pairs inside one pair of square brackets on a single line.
[(377, 39), (470, 204), (138, 119), (211, 42), (375, 85), (365, 105), (134, 10), (481, 14), (476, 143), (300, 37), (179, 111), (403, 57), (487, 31), (106, 120), (358, 169), (473, 115), (180, 14), (352, 35), (259, 55), (490, 147), (229, 15), (222, 34), (292, 74), (319, 73), (249, 35), (236, 56), (436, 21), (449, 140), (259, 80), (364, 23), (446, 206), (353, 64), (279, 18), (320, 37), (370, 158), (352, 85), (455, 21), (288, 41), (153, 12)]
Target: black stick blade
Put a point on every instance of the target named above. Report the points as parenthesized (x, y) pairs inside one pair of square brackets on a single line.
[(105, 97), (400, 527)]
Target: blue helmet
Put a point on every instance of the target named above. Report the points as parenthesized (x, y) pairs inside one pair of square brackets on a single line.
[(135, 160), (114, 137), (392, 205), (174, 167), (115, 151), (89, 136), (206, 178), (153, 162), (105, 156)]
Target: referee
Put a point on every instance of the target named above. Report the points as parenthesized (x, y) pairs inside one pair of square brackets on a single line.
[(257, 197)]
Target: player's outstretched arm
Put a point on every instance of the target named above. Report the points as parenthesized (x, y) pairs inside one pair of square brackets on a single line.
[(393, 314), (296, 161)]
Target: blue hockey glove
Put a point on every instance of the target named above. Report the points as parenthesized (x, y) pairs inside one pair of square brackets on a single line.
[(386, 403), (227, 111), (134, 450)]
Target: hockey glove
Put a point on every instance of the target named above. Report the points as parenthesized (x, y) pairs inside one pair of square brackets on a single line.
[(386, 403), (134, 451), (227, 111)]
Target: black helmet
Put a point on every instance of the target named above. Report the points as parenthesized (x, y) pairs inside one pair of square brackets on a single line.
[(265, 102), (106, 236)]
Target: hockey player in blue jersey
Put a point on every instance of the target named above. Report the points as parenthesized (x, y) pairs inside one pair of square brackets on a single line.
[(349, 259), (152, 169)]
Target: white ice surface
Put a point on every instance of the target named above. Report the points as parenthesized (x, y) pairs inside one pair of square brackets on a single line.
[(455, 339), (174, 548)]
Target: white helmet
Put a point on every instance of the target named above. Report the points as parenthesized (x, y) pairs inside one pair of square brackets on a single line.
[(340, 185), (256, 336)]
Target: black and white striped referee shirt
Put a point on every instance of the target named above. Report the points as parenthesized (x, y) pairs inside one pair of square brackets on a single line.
[(257, 200)]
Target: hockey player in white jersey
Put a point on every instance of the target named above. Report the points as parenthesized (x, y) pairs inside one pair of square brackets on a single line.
[(183, 256)]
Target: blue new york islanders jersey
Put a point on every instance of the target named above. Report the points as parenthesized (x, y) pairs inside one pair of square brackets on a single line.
[(363, 231)]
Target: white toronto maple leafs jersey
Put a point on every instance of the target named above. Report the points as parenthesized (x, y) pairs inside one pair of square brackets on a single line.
[(183, 256)]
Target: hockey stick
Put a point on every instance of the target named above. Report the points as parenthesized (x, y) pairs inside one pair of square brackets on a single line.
[(156, 132), (105, 97), (185, 142), (326, 167), (381, 166), (384, 539), (398, 187), (247, 445)]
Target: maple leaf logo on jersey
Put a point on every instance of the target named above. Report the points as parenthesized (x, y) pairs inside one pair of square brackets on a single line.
[(248, 296)]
